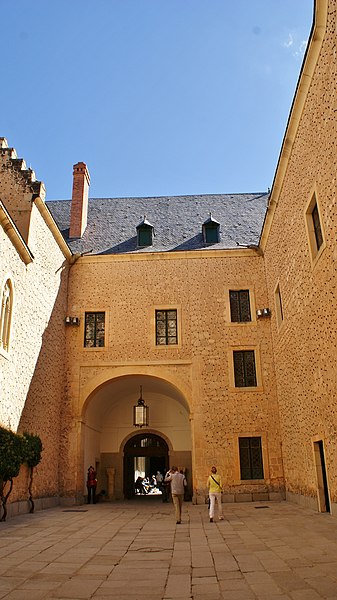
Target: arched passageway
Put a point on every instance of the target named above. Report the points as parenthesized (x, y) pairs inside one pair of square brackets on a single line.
[(144, 455), (111, 442)]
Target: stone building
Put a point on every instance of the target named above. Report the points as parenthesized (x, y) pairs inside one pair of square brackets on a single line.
[(216, 311)]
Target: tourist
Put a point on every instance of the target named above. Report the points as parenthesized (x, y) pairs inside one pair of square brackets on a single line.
[(91, 485), (178, 483), (214, 485)]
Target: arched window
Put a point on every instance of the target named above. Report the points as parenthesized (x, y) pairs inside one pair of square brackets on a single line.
[(6, 315)]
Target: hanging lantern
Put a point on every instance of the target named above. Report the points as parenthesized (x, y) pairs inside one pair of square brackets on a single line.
[(141, 412)]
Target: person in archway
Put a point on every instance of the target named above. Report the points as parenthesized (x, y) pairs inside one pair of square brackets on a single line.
[(91, 484), (214, 485), (178, 483)]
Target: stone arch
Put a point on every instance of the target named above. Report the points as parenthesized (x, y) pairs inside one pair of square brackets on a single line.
[(150, 431), (109, 374), (107, 425)]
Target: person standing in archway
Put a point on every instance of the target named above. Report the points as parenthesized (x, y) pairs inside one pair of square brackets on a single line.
[(178, 483), (214, 485), (91, 484)]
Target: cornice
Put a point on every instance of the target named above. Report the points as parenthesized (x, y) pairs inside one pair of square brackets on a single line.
[(155, 256)]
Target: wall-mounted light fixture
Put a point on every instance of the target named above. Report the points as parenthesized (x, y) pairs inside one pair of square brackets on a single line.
[(72, 321), (263, 312), (140, 412)]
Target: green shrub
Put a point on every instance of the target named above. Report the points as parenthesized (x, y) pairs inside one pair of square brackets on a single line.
[(32, 456), (11, 459)]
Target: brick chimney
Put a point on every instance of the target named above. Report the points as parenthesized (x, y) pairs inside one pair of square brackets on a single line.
[(79, 201)]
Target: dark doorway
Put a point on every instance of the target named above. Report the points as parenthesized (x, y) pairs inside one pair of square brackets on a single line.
[(323, 491), (144, 455)]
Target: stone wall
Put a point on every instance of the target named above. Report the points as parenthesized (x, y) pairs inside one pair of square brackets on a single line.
[(32, 372), (129, 289), (305, 341)]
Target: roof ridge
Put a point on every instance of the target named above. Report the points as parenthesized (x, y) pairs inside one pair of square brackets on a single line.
[(177, 196)]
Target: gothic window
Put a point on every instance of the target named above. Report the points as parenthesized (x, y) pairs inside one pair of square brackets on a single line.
[(6, 315), (240, 306), (244, 368), (94, 329), (166, 327), (251, 464)]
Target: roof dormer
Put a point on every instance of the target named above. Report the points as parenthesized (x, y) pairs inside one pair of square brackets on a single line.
[(211, 231), (145, 233)]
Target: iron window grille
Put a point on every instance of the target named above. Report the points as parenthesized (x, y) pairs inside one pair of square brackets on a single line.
[(166, 327), (94, 329), (244, 368), (251, 463), (240, 306)]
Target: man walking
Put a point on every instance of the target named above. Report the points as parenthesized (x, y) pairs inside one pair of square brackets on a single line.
[(178, 483)]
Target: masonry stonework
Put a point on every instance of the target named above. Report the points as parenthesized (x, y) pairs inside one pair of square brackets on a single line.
[(305, 341), (80, 399)]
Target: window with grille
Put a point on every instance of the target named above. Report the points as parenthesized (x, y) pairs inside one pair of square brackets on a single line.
[(240, 306), (166, 327), (251, 464), (94, 329), (244, 368), (6, 315)]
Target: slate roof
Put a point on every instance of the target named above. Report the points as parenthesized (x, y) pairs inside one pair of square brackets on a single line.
[(177, 222)]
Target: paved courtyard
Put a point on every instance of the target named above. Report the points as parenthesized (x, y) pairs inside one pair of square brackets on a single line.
[(135, 550)]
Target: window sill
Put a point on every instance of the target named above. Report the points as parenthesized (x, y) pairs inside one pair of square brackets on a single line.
[(252, 481), (161, 346), (241, 323), (315, 259), (94, 349), (257, 388)]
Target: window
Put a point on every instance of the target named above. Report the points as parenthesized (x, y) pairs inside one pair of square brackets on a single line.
[(244, 368), (278, 304), (211, 231), (314, 227), (240, 306), (166, 327), (94, 329), (6, 315), (251, 464), (145, 233), (317, 227)]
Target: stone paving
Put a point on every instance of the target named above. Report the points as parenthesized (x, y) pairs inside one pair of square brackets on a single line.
[(135, 550)]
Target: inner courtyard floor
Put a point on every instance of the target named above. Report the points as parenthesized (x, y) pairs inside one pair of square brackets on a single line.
[(135, 550)]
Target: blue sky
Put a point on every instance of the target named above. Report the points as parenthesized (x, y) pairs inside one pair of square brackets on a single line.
[(158, 97)]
